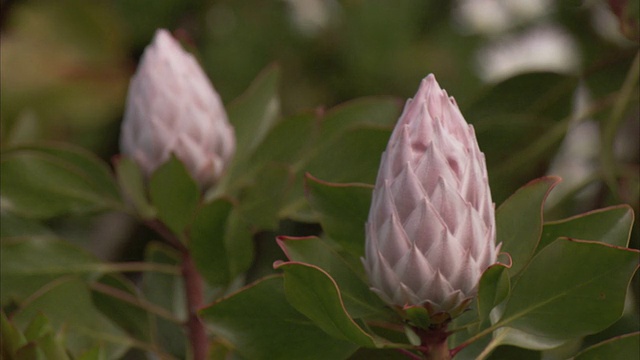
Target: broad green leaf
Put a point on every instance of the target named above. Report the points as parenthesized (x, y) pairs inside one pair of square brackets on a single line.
[(95, 169), (174, 194), (372, 111), (27, 264), (253, 115), (611, 226), (510, 336), (571, 289), (519, 221), (42, 182), (289, 141), (359, 300), (67, 302), (107, 294), (166, 291), (207, 243), (527, 114), (260, 203), (256, 111), (343, 210), (238, 242), (259, 322), (12, 225), (352, 156), (132, 183), (620, 347), (314, 293), (494, 287), (221, 242)]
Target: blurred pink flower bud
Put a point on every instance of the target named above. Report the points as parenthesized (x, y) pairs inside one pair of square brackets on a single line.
[(173, 108), (431, 226)]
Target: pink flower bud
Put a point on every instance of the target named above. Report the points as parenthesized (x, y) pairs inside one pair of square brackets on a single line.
[(431, 226), (173, 108)]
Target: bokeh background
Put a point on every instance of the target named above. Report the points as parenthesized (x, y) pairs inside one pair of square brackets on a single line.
[(550, 86)]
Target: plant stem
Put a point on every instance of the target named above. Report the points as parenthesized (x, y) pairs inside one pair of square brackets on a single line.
[(434, 343), (194, 295), (195, 327)]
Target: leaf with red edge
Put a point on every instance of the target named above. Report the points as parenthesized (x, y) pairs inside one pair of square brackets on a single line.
[(343, 210), (570, 289), (314, 293), (519, 221), (359, 300), (259, 322), (610, 225)]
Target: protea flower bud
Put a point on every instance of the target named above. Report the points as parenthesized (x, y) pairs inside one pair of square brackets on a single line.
[(173, 108), (431, 226)]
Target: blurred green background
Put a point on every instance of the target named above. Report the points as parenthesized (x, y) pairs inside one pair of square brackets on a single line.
[(66, 66), (542, 81)]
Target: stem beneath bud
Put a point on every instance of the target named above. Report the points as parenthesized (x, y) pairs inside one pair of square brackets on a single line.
[(434, 342), (193, 290), (193, 287)]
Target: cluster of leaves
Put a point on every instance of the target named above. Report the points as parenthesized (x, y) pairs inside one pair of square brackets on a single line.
[(317, 304)]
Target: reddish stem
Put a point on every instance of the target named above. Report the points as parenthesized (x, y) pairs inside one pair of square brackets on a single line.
[(434, 343), (195, 326), (193, 289)]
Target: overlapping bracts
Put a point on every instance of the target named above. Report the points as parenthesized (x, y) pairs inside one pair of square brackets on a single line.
[(173, 108), (431, 226)]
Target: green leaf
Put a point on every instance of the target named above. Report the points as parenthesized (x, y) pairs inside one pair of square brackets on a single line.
[(67, 302), (493, 289), (352, 156), (510, 336), (519, 221), (129, 317), (132, 183), (31, 351), (27, 264), (620, 347), (166, 291), (174, 194), (256, 111), (343, 210), (314, 293), (259, 322), (42, 182), (40, 332), (359, 300), (207, 243), (611, 226), (221, 242), (97, 353), (584, 294), (260, 203), (12, 338), (374, 111), (288, 142), (15, 226), (52, 347), (39, 326), (527, 114)]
